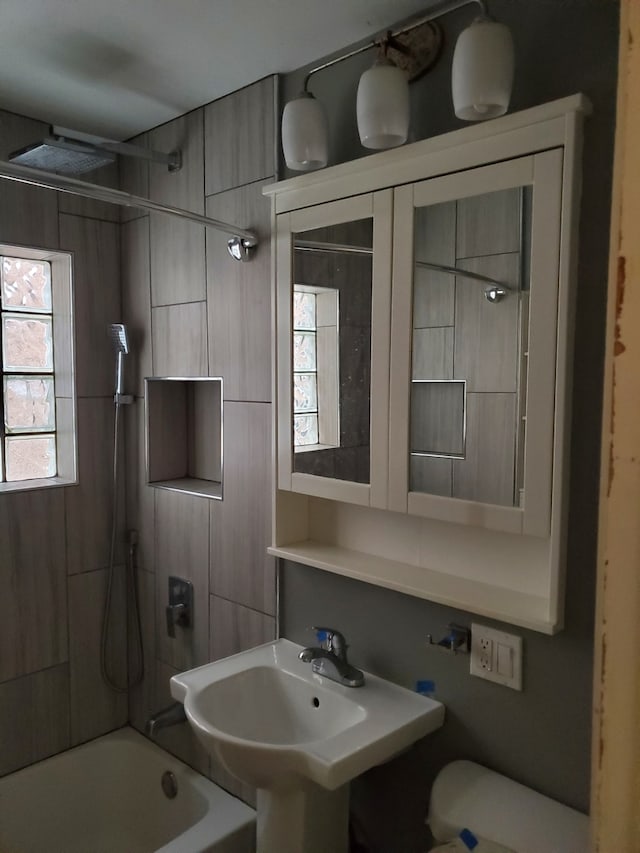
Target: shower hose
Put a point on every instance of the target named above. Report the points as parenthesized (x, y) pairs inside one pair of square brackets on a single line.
[(133, 673)]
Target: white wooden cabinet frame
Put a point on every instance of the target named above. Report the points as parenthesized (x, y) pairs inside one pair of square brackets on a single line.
[(501, 562)]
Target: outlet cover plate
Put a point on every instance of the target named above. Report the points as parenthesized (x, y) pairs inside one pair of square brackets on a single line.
[(496, 656)]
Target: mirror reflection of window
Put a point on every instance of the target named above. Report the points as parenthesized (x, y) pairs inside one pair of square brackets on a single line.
[(331, 347)]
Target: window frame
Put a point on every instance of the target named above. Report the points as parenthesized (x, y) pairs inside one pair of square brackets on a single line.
[(63, 373)]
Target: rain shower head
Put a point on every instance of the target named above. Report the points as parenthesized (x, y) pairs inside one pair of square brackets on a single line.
[(70, 152), (55, 154)]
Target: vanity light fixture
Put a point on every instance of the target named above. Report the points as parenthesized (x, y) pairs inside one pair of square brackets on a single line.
[(382, 104), (482, 76), (482, 71), (305, 133)]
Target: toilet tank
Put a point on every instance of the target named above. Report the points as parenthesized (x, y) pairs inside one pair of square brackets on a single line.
[(498, 809)]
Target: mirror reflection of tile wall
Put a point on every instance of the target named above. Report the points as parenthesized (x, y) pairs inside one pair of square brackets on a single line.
[(468, 451)]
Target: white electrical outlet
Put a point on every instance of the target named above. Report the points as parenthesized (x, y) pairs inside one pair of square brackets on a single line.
[(496, 656)]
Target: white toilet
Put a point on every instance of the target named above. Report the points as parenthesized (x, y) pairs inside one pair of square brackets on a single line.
[(468, 796)]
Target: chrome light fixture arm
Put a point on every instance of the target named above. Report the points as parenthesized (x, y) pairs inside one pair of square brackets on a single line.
[(436, 11)]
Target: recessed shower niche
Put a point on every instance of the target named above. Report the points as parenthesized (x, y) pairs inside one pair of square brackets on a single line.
[(183, 421)]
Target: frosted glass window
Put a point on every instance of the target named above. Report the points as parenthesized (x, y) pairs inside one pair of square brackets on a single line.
[(304, 310), (27, 390), (305, 430), (305, 392), (30, 457), (304, 351), (27, 342), (26, 284), (29, 404)]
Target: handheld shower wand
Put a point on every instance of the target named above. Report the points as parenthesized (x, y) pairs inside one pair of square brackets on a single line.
[(120, 341)]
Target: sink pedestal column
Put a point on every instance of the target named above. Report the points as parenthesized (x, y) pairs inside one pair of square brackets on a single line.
[(308, 819)]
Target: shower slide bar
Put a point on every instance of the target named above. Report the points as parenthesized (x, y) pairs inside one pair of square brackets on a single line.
[(241, 246)]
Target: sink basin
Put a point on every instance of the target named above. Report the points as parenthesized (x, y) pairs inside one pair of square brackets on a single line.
[(294, 734)]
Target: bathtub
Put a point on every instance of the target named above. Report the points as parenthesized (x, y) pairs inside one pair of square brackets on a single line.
[(106, 797)]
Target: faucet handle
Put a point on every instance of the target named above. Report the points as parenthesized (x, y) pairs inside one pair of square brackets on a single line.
[(335, 641)]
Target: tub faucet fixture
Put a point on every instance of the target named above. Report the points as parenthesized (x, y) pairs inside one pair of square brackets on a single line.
[(169, 716), (329, 659)]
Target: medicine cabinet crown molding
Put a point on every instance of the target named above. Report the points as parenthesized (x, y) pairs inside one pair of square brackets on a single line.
[(430, 446)]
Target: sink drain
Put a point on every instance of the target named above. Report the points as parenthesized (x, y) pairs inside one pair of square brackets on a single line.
[(169, 785)]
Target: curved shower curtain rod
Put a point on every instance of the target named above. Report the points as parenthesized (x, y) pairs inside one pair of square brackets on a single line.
[(241, 246)]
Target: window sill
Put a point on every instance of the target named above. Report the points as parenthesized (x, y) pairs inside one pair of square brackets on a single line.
[(307, 448), (32, 485)]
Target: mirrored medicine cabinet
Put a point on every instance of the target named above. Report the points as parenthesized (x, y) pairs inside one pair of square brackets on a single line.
[(423, 309)]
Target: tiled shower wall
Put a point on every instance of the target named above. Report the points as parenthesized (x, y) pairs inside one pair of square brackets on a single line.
[(54, 543), (193, 311)]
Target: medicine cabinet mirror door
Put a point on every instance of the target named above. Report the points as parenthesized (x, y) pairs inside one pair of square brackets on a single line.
[(473, 364), (334, 284)]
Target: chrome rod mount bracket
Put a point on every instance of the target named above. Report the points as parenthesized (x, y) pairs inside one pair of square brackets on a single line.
[(241, 248)]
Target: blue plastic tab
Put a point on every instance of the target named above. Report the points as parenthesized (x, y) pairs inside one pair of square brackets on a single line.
[(425, 687), (321, 636), (468, 839)]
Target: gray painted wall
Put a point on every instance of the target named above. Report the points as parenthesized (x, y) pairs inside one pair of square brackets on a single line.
[(541, 736)]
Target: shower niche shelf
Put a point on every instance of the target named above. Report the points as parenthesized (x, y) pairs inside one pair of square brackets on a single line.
[(183, 423)]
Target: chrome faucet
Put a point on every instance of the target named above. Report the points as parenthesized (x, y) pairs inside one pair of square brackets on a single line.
[(330, 659), (169, 716)]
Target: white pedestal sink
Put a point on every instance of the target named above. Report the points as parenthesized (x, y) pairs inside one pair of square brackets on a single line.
[(299, 738)]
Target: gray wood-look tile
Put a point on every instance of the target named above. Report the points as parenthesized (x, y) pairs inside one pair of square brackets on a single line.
[(235, 628), (180, 340), (487, 472), (28, 215), (433, 298), (167, 441), (486, 334), (96, 276), (95, 708), (239, 137), (33, 628), (435, 233), (134, 178), (435, 242), (185, 187), (433, 353), (437, 417), (142, 696), (136, 302), (488, 224), (89, 504), (34, 717), (182, 549), (239, 298), (106, 176), (177, 246), (179, 740), (241, 569), (204, 424), (177, 261), (140, 500), (431, 475), (18, 132)]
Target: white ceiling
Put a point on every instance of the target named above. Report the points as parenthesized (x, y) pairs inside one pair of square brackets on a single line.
[(118, 67)]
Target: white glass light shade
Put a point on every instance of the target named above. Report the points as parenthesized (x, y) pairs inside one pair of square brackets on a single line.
[(382, 106), (482, 72), (305, 137)]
